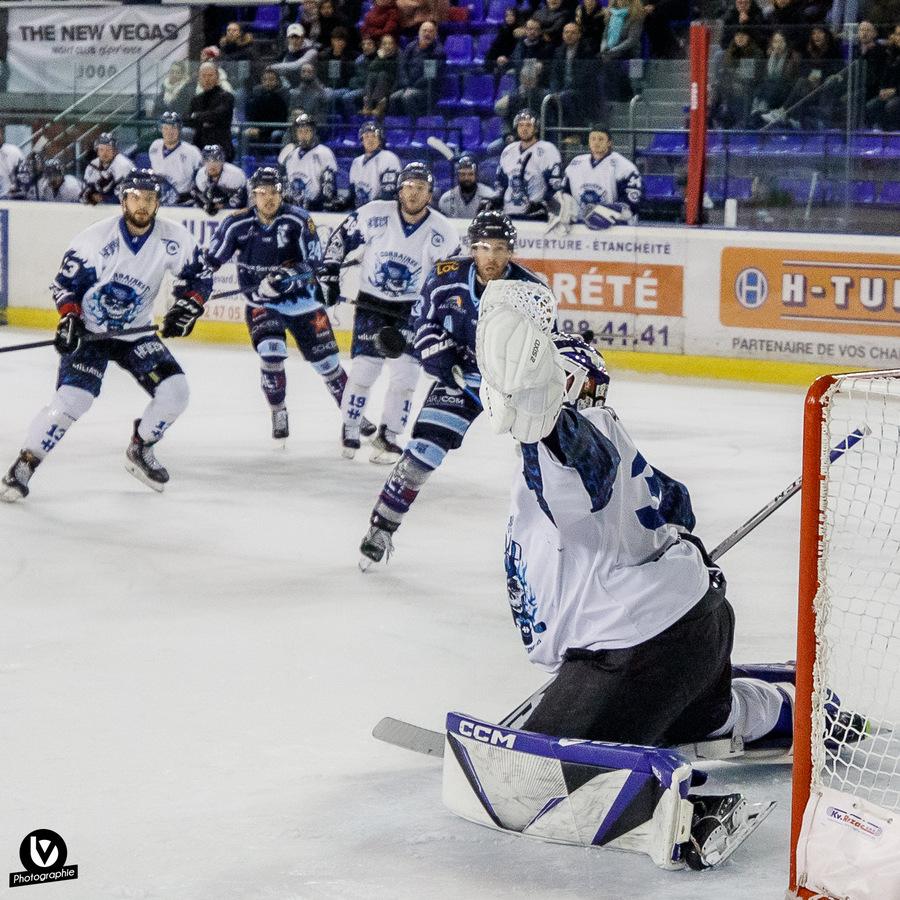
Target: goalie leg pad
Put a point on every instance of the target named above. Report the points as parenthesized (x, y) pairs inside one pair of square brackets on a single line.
[(574, 792)]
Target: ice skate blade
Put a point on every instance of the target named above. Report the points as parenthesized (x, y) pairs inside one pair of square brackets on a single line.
[(384, 458), (348, 452), (366, 563), (10, 494), (138, 473)]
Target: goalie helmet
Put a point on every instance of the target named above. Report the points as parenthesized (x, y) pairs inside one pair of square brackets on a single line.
[(140, 180), (491, 223), (171, 118), (587, 380), (416, 171)]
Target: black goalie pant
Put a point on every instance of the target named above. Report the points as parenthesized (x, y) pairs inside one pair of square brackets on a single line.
[(673, 689)]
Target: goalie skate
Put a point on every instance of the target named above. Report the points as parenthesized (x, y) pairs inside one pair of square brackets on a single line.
[(720, 825)]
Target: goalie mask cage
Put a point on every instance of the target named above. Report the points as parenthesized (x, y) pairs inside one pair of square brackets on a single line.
[(845, 829)]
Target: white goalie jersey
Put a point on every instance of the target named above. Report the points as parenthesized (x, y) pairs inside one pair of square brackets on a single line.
[(311, 175), (528, 176), (611, 180), (591, 563)]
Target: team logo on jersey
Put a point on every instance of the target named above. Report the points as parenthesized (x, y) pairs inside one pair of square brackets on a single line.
[(522, 601), (110, 248), (751, 288), (442, 268), (362, 195), (170, 245), (283, 237), (395, 277), (298, 191), (114, 305), (591, 197), (436, 239)]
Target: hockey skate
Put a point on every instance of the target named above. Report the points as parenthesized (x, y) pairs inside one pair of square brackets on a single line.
[(719, 826), (375, 547), (350, 440), (280, 429), (141, 462), (15, 482), (367, 429), (384, 451)]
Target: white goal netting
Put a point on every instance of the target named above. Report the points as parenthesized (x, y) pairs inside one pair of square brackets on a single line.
[(856, 679)]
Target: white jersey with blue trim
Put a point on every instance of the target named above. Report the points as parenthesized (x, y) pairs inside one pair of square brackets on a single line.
[(397, 257), (527, 175), (591, 563), (310, 174), (69, 190), (177, 165), (105, 179), (374, 177), (456, 206), (613, 179), (115, 276)]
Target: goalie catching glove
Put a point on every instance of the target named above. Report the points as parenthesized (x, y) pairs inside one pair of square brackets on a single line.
[(603, 215)]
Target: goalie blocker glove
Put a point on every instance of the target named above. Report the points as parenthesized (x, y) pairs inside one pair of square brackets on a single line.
[(179, 321), (69, 332)]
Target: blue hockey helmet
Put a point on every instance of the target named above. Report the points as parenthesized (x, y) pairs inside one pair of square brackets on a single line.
[(53, 169), (141, 180), (266, 176), (106, 139), (493, 224), (371, 127), (416, 171), (212, 153), (171, 118), (467, 161), (305, 120), (587, 380)]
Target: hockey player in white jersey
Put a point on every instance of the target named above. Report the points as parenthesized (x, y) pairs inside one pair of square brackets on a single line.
[(469, 196), (373, 174), (401, 241), (174, 161), (104, 173), (310, 167), (219, 184), (605, 186), (10, 158), (529, 172), (54, 186), (108, 280)]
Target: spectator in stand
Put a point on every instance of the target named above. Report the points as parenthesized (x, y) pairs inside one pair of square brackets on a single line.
[(329, 19), (419, 72), (786, 16), (874, 57), (883, 110), (267, 103), (352, 99), (573, 77), (528, 95), (592, 22), (531, 47), (883, 14), (336, 72), (57, 187), (212, 55), (777, 78), (551, 17), (10, 158), (659, 17), (211, 111), (310, 95), (105, 171), (309, 19), (236, 47), (737, 80), (176, 90), (414, 13), (621, 42), (504, 41), (745, 14), (381, 78), (300, 50), (383, 18)]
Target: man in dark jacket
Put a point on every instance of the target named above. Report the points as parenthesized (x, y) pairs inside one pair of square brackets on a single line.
[(211, 111), (573, 77), (419, 73), (267, 103)]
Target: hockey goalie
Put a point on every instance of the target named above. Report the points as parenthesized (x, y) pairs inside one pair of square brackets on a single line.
[(611, 591)]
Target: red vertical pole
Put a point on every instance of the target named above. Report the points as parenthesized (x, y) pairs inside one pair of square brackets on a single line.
[(693, 198)]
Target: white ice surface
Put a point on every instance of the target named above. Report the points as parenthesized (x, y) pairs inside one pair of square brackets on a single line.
[(188, 680)]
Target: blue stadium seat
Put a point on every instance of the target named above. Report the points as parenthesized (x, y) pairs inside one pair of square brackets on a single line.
[(666, 145), (142, 161), (476, 11), (458, 48), (891, 146), (862, 192), (506, 85), (482, 45), (799, 189), (478, 93), (396, 122), (248, 164), (783, 144), (496, 11), (465, 131), (427, 126), (487, 169), (738, 188), (866, 146), (813, 145), (659, 187), (890, 194), (449, 96), (267, 19), (491, 130), (397, 138)]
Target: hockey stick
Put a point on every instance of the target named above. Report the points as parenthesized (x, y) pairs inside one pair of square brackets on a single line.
[(439, 146), (776, 502), (90, 336)]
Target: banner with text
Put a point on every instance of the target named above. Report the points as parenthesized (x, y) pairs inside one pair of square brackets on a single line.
[(70, 49)]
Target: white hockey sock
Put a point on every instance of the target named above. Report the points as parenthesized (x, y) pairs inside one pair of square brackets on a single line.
[(398, 400), (168, 403), (54, 420), (755, 709), (356, 393)]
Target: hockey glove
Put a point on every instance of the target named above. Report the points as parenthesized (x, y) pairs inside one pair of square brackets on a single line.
[(438, 352), (69, 333), (281, 283), (179, 321), (330, 282), (601, 216), (523, 383)]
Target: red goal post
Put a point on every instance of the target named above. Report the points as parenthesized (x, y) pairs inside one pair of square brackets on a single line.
[(845, 828)]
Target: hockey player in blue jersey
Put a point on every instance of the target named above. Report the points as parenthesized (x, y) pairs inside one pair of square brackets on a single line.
[(108, 280), (445, 320), (278, 256)]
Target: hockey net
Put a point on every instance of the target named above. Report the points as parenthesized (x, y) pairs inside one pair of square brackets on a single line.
[(845, 839)]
